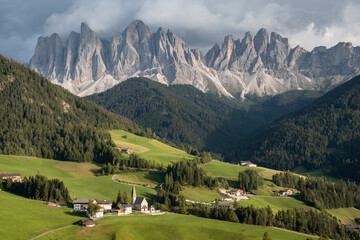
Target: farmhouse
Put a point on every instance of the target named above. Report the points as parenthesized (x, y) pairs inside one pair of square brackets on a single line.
[(127, 150), (123, 209), (105, 204), (226, 204), (128, 208), (118, 148), (247, 164), (81, 204), (286, 191), (120, 211), (236, 192), (98, 214), (14, 177)]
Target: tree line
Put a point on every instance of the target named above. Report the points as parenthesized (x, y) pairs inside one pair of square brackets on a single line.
[(39, 187), (249, 179), (121, 164), (321, 192), (179, 174)]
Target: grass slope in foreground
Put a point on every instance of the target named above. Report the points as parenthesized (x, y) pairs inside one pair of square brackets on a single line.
[(149, 149), (22, 218), (79, 178), (170, 226)]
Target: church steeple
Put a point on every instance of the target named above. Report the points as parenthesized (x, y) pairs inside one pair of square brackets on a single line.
[(133, 195)]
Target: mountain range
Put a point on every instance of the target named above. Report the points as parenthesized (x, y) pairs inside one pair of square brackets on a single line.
[(261, 65)]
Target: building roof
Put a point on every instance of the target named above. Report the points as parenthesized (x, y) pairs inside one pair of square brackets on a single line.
[(120, 206), (127, 205), (224, 204), (104, 202), (236, 190), (248, 162), (83, 200), (139, 200), (87, 222), (10, 175)]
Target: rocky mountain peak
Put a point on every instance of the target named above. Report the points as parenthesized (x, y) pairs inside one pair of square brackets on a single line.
[(261, 41), (247, 39)]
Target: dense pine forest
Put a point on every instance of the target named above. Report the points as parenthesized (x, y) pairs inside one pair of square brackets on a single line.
[(40, 119), (39, 187), (321, 192), (323, 135), (185, 115)]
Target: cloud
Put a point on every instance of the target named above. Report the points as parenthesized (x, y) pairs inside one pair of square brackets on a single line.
[(201, 23)]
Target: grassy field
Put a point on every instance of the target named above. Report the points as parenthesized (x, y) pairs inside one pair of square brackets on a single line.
[(30, 166), (78, 177), (267, 189), (170, 226), (23, 218), (154, 178), (104, 188), (148, 148), (276, 203), (231, 171), (313, 173), (200, 194), (345, 215)]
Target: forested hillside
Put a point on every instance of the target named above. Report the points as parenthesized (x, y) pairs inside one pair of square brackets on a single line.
[(325, 134), (186, 115), (40, 119)]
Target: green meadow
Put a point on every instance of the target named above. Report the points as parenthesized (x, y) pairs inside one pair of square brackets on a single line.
[(170, 226), (345, 215), (149, 149), (22, 218), (79, 178), (231, 171), (154, 178), (201, 194), (276, 203)]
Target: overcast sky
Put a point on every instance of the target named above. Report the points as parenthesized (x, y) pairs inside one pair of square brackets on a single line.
[(201, 23)]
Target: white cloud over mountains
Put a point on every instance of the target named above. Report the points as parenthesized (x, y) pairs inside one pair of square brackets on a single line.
[(201, 23)]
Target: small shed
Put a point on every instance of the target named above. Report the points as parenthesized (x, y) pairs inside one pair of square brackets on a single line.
[(87, 223)]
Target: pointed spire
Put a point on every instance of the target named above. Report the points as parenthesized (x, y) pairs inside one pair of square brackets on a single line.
[(133, 195)]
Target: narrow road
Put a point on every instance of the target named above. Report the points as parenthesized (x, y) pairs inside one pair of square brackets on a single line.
[(51, 231), (126, 183)]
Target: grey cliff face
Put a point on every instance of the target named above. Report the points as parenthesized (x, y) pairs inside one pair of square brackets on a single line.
[(256, 65)]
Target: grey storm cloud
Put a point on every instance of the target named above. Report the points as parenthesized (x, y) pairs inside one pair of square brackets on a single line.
[(201, 23)]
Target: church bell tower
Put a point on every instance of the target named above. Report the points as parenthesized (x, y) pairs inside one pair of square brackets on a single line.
[(133, 195)]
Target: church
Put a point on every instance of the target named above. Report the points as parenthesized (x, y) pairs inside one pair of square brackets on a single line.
[(138, 203)]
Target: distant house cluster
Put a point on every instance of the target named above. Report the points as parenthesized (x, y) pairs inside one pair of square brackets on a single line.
[(137, 203), (285, 192), (124, 150), (247, 164), (14, 177)]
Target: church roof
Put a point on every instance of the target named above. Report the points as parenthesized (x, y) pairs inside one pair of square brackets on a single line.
[(139, 200)]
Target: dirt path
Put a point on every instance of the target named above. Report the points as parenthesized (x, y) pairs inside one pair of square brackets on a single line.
[(51, 231)]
